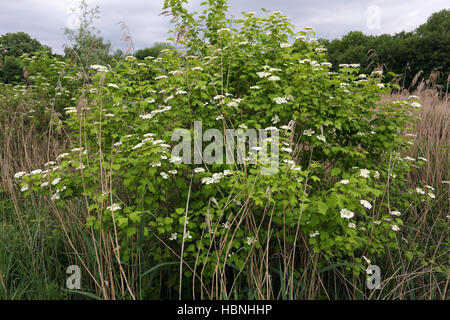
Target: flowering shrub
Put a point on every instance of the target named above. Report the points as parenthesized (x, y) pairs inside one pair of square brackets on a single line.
[(339, 188)]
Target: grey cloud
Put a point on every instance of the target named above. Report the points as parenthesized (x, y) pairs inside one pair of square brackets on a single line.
[(46, 19)]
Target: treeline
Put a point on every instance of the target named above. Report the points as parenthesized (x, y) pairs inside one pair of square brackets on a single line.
[(423, 52)]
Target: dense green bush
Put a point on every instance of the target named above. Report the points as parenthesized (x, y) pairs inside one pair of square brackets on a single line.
[(339, 189)]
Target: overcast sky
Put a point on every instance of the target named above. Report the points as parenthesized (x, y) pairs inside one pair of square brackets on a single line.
[(46, 20)]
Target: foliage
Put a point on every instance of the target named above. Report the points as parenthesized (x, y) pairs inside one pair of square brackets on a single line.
[(88, 47), (405, 53), (152, 51), (12, 46), (336, 194)]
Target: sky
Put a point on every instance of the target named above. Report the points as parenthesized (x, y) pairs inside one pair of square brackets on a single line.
[(46, 20)]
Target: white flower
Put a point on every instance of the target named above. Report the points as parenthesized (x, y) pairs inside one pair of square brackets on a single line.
[(99, 68), (175, 159), (395, 227), (273, 78), (199, 170), (345, 181), (308, 132), (347, 214), (380, 85), (139, 145), (180, 92), (366, 204), (395, 213), (208, 180), (352, 225), (423, 159), (227, 172), (114, 207), (431, 195), (420, 191), (314, 234), (364, 173), (113, 85), (56, 181), (376, 175), (130, 58), (254, 88), (175, 72), (280, 100), (147, 116), (275, 120), (250, 240), (173, 236), (161, 77), (223, 30), (226, 225), (62, 156), (218, 97), (232, 104), (219, 118), (288, 150), (54, 197), (20, 174), (415, 104), (321, 138), (164, 175), (187, 235), (44, 184), (24, 188), (197, 68), (285, 45), (263, 74)]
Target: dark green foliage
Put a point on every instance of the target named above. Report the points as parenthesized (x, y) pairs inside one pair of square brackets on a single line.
[(152, 51), (12, 46), (406, 53)]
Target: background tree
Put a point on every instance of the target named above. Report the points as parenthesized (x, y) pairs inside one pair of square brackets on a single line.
[(152, 51), (424, 50), (86, 45), (12, 46)]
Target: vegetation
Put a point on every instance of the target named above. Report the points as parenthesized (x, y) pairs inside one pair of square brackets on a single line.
[(12, 46), (419, 53), (89, 176)]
